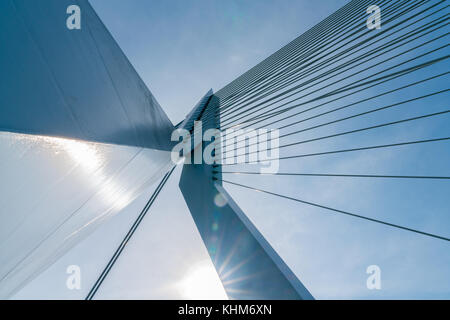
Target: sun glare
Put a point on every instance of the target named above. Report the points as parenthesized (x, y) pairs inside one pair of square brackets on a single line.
[(202, 283), (91, 158)]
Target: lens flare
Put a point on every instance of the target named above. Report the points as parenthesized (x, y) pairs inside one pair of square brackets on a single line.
[(202, 282)]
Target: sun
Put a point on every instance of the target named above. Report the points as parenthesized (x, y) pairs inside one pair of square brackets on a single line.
[(202, 283)]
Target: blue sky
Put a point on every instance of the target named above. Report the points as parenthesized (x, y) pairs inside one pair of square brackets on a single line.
[(183, 48)]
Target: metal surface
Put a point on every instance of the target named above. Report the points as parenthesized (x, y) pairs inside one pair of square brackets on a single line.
[(72, 83), (128, 236), (247, 265), (55, 192), (81, 136)]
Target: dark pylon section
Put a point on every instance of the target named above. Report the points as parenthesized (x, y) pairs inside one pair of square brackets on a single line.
[(247, 265), (72, 83)]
